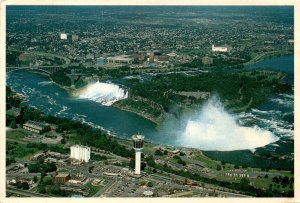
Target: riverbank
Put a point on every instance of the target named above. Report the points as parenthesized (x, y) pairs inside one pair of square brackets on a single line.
[(267, 55), (124, 107)]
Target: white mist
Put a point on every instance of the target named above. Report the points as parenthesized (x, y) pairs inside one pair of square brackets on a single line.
[(215, 129), (104, 93)]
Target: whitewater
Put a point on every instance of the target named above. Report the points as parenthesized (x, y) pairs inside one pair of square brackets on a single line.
[(104, 93), (212, 128)]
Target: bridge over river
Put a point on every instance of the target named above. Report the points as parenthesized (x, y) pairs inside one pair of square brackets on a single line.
[(49, 70), (46, 69)]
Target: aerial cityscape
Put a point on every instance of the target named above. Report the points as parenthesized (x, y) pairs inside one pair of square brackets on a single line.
[(150, 101)]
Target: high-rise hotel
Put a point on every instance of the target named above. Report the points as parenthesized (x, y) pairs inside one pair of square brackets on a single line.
[(80, 153)]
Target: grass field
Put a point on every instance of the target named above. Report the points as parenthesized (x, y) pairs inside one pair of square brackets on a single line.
[(15, 134), (93, 189), (209, 162)]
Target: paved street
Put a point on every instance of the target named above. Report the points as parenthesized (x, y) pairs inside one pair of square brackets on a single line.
[(27, 193)]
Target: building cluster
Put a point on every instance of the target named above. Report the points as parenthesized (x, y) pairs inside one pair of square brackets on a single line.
[(121, 180), (113, 171), (66, 177), (50, 157), (122, 37), (240, 175), (19, 168), (71, 183), (136, 59), (64, 36), (158, 57), (25, 183)]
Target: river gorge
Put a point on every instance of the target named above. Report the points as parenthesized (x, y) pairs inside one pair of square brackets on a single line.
[(270, 126)]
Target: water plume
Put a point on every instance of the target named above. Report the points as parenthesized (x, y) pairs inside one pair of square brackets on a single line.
[(215, 129), (104, 93)]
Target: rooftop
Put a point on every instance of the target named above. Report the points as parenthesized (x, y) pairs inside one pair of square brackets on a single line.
[(34, 124), (62, 175), (138, 137), (148, 193), (80, 146)]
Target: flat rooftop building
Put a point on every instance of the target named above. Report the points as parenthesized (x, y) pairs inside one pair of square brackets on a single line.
[(74, 37), (36, 127), (101, 61), (62, 178), (120, 59), (221, 48), (63, 36)]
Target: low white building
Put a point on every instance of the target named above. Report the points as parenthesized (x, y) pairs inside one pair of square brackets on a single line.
[(63, 36), (221, 49), (126, 59), (81, 153)]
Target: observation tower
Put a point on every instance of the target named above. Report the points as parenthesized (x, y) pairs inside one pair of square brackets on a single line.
[(138, 141)]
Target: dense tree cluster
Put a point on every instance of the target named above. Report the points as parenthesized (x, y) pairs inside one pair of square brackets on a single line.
[(179, 160), (41, 167), (46, 185), (16, 150), (158, 152), (264, 163), (11, 99), (283, 180), (98, 157)]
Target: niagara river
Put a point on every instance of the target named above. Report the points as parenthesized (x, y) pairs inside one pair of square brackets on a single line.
[(270, 123)]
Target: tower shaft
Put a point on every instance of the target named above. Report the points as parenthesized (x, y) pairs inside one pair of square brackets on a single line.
[(138, 162)]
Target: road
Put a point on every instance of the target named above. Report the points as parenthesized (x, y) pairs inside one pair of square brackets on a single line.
[(67, 60), (110, 187), (104, 189), (26, 193)]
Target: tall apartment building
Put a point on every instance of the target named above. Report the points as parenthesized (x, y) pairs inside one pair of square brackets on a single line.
[(81, 153)]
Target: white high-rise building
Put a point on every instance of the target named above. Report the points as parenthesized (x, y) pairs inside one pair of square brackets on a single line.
[(138, 141), (63, 36), (80, 153)]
